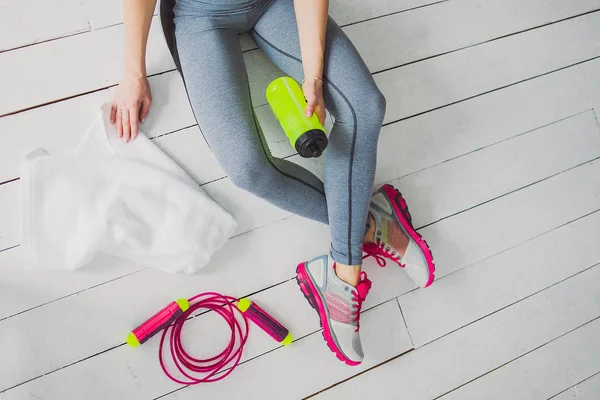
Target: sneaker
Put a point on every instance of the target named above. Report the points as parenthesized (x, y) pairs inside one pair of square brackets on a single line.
[(338, 305), (390, 212)]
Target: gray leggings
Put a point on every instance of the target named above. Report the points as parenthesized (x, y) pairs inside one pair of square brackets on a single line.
[(210, 58)]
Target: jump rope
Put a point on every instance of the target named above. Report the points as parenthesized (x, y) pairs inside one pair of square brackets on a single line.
[(307, 136), (171, 320)]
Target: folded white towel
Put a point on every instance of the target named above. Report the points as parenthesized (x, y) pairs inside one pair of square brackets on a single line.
[(129, 200)]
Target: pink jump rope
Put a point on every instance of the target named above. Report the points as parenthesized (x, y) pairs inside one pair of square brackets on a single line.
[(171, 319)]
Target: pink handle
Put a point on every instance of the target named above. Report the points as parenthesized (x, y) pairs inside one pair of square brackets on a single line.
[(158, 322), (266, 322)]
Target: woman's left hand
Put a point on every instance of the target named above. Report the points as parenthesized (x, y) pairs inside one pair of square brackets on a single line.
[(313, 92)]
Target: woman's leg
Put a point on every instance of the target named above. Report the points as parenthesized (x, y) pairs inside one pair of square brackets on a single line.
[(358, 107), (334, 285), (217, 86)]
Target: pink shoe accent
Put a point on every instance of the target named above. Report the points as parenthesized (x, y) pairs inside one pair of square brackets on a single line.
[(401, 209), (362, 290), (338, 308), (308, 288)]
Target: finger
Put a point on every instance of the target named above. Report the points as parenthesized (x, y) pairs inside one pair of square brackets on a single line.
[(145, 109), (113, 114), (119, 122), (310, 108), (133, 113), (126, 126)]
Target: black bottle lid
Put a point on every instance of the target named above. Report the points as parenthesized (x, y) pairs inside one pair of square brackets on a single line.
[(311, 144)]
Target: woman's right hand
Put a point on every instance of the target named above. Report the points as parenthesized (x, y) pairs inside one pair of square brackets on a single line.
[(130, 106)]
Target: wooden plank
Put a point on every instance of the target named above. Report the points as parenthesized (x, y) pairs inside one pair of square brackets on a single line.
[(416, 36), (250, 211), (189, 149), (132, 374), (586, 390), (511, 220), (31, 21), (23, 289), (473, 124), (77, 64), (453, 360), (472, 293), (499, 63), (501, 168), (56, 127), (346, 12), (256, 249), (62, 74), (103, 13), (541, 373)]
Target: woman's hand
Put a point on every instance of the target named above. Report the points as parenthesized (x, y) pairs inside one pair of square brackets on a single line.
[(131, 105), (313, 93)]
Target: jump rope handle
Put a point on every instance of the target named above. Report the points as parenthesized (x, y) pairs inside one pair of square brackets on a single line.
[(264, 321), (157, 322)]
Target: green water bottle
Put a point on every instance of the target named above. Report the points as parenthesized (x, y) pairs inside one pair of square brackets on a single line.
[(306, 134)]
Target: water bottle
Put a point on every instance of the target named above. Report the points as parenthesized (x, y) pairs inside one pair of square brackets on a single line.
[(306, 134)]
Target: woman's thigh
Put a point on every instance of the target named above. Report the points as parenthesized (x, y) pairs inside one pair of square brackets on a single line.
[(217, 85)]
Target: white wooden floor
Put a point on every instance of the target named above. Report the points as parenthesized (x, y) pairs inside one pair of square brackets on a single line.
[(491, 133)]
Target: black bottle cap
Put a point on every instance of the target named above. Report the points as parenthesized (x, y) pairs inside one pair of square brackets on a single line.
[(311, 144)]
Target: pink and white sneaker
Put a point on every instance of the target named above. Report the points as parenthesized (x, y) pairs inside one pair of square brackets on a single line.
[(393, 223), (338, 305)]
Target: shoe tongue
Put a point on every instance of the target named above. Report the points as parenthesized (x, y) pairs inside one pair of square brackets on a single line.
[(363, 286)]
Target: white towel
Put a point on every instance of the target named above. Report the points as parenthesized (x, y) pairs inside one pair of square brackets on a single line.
[(126, 199)]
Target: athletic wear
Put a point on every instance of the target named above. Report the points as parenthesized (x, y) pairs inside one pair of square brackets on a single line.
[(338, 305), (390, 212), (210, 58)]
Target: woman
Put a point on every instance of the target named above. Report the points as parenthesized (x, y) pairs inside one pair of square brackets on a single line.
[(300, 39)]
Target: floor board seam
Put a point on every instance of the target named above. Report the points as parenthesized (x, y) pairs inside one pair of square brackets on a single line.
[(577, 384), (373, 73), (412, 343), (520, 356), (488, 41), (494, 144), (596, 264), (493, 90), (435, 3), (582, 164)]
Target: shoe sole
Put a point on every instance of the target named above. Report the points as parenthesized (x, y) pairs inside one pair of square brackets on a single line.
[(308, 289), (405, 219)]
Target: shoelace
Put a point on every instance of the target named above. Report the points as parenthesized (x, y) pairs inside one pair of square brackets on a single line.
[(359, 295), (380, 251)]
